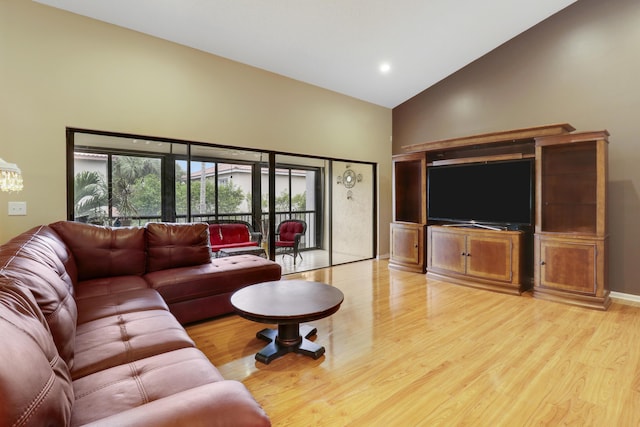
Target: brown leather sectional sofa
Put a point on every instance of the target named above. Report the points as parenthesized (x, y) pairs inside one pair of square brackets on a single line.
[(88, 337)]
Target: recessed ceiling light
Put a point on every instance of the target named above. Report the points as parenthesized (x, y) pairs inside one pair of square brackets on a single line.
[(385, 67)]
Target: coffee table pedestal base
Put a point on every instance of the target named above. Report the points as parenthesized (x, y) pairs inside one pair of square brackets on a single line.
[(287, 339)]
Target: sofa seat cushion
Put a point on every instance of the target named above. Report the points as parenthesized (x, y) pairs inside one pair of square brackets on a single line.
[(219, 276), (219, 404), (109, 285), (35, 386), (104, 251), (176, 245), (216, 248), (124, 387), (111, 341), (123, 302)]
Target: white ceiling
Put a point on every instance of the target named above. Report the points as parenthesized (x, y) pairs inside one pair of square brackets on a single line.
[(335, 44)]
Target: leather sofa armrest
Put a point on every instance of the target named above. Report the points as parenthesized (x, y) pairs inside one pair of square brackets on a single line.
[(224, 403)]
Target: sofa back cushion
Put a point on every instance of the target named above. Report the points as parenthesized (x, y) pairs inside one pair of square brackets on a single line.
[(35, 384), (177, 245), (104, 251), (32, 259)]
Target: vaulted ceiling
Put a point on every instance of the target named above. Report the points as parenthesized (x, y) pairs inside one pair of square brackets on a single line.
[(379, 51)]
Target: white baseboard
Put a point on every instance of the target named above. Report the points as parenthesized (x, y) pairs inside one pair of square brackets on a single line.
[(625, 297)]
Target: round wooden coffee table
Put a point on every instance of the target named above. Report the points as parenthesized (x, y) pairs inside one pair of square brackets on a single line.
[(287, 303)]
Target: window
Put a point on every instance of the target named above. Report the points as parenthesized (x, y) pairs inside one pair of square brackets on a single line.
[(291, 189), (113, 189)]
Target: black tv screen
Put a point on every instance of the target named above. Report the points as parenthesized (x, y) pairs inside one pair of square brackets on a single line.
[(491, 193)]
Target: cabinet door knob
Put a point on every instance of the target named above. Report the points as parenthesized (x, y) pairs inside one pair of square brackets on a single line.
[(462, 254), (542, 263), (468, 254)]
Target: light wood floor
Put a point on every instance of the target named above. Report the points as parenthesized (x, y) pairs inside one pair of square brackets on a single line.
[(313, 259), (407, 351)]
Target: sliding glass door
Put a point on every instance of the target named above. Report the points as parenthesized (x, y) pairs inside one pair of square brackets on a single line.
[(118, 180), (353, 212), (300, 202)]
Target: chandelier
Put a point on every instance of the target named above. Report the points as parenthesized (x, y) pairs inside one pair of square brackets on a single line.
[(10, 177)]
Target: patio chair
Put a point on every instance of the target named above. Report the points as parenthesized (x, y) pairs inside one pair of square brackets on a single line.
[(288, 236)]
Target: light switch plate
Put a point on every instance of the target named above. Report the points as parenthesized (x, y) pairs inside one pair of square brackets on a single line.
[(17, 208)]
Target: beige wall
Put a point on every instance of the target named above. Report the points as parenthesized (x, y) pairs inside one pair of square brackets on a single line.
[(58, 69), (581, 66)]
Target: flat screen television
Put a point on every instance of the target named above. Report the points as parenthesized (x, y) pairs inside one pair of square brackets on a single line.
[(499, 193)]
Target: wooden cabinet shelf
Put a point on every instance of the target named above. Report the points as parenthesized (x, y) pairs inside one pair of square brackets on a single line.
[(571, 241), (409, 188), (410, 212)]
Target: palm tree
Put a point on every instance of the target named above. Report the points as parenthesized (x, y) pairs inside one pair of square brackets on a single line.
[(90, 195), (127, 170)]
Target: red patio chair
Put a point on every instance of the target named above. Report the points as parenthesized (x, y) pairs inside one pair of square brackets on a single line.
[(288, 235)]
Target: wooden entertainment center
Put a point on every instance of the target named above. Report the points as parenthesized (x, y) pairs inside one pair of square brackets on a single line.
[(562, 255)]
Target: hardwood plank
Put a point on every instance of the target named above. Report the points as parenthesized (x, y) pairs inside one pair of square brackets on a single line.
[(407, 350)]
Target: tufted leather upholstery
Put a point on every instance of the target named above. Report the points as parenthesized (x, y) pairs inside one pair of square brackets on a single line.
[(32, 258), (121, 251), (177, 245), (79, 348), (35, 384), (114, 340), (189, 293)]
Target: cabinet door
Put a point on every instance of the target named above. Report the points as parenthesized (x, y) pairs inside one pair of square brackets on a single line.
[(568, 266), (447, 251), (489, 257), (407, 246)]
